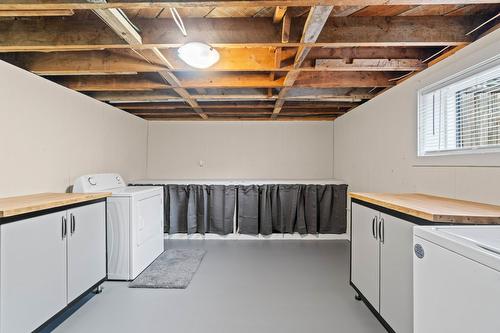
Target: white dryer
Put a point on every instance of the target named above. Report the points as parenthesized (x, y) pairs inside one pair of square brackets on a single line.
[(456, 282), (134, 222)]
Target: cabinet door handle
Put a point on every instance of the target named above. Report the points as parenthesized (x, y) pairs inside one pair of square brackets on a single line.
[(63, 227), (73, 223), (374, 227), (381, 230)]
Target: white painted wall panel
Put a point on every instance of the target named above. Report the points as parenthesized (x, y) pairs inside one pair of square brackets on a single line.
[(240, 150), (49, 135)]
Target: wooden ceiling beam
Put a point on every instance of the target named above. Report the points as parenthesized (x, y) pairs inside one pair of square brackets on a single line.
[(346, 10), (233, 105), (344, 79), (369, 53), (316, 19), (120, 24), (279, 13), (245, 111), (224, 80), (51, 34), (285, 29), (36, 13), (141, 4), (370, 65), (156, 96), (241, 118), (232, 59), (82, 63), (229, 80), (135, 96), (111, 83), (101, 83)]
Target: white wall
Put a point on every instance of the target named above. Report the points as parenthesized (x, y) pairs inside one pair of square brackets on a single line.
[(376, 143), (49, 135), (240, 150)]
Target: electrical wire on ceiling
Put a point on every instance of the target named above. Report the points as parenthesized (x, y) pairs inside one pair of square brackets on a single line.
[(436, 54), (401, 77), (178, 20), (483, 24)]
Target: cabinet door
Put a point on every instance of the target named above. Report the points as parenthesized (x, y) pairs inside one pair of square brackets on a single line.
[(396, 273), (33, 272), (365, 253), (86, 248)]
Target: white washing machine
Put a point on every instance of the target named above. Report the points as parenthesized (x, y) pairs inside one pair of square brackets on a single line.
[(456, 279), (134, 223)]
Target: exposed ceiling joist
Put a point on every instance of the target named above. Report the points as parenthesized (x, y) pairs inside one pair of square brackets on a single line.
[(139, 4), (133, 96), (279, 60), (370, 65), (50, 34), (118, 98), (224, 80), (35, 13), (120, 24), (346, 10), (246, 60), (313, 26), (236, 112), (279, 13), (240, 118), (285, 29), (83, 63), (266, 105)]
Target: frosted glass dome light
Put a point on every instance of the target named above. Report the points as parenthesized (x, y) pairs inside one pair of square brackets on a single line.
[(198, 55)]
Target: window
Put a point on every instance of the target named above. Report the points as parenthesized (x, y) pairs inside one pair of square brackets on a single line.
[(462, 113)]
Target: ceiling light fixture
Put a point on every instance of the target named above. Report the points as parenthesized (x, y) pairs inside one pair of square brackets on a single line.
[(198, 55), (195, 54)]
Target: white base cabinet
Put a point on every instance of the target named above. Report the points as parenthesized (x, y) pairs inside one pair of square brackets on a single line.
[(47, 261), (86, 248), (382, 265)]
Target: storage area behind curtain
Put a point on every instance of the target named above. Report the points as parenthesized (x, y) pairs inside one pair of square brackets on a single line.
[(199, 209), (281, 208), (255, 209)]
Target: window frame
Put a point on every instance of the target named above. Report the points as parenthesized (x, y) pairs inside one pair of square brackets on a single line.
[(459, 76)]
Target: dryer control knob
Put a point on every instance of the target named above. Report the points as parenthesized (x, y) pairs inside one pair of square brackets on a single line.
[(92, 181)]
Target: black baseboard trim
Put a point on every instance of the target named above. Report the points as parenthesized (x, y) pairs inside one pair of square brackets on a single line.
[(372, 309), (67, 307)]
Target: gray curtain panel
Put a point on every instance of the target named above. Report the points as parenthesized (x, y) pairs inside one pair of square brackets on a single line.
[(268, 208), (199, 209), (262, 209), (288, 198), (306, 209), (310, 205), (332, 209), (222, 201), (248, 209), (178, 208)]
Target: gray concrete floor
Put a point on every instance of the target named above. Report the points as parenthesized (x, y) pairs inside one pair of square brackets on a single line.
[(241, 286)]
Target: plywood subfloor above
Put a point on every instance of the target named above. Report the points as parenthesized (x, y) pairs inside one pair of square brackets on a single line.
[(434, 208)]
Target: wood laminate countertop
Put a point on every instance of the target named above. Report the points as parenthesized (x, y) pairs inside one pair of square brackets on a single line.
[(31, 203), (434, 208)]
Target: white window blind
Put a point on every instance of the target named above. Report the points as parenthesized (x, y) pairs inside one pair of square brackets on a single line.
[(461, 114)]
